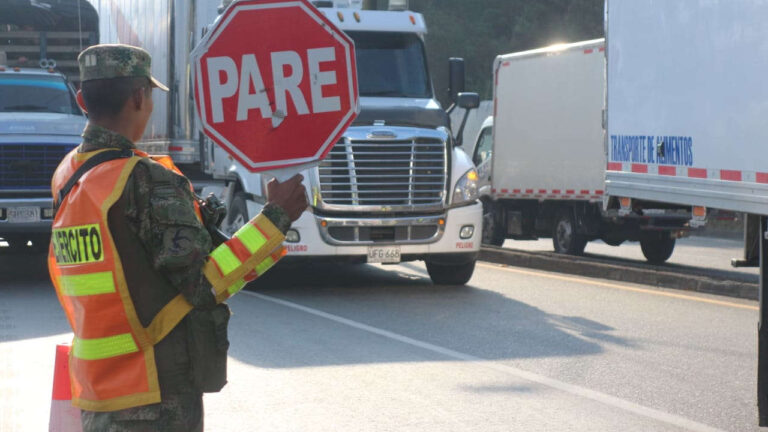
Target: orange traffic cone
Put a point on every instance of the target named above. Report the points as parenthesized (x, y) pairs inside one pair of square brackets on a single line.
[(64, 417)]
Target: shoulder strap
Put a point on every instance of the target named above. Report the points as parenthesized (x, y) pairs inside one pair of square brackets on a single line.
[(96, 159)]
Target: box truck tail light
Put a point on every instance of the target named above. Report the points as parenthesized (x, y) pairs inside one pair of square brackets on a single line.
[(356, 16), (699, 212), (413, 20)]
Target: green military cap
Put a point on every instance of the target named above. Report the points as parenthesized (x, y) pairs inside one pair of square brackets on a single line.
[(116, 61)]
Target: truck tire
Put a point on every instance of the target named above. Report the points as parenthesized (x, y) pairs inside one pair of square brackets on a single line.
[(450, 274), (657, 247), (565, 239), (237, 214), (492, 234)]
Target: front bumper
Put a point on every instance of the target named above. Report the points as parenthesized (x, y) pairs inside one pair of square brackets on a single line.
[(32, 228), (316, 242)]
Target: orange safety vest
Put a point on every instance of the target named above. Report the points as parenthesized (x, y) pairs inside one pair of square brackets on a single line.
[(112, 364)]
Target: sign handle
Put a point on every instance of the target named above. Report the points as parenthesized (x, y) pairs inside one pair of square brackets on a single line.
[(283, 174)]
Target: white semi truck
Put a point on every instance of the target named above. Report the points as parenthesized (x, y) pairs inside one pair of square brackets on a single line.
[(687, 103), (542, 160), (394, 188)]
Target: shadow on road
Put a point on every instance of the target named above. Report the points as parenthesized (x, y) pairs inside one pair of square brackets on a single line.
[(467, 319)]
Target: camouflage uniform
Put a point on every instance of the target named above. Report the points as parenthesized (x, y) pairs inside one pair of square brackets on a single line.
[(158, 207)]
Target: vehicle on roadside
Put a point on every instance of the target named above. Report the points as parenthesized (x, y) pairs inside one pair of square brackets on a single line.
[(395, 187), (542, 162), (40, 122), (691, 101)]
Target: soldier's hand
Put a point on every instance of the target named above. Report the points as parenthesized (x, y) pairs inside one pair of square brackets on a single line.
[(290, 195)]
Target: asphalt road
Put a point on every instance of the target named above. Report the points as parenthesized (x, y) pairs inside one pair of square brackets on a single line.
[(337, 348)]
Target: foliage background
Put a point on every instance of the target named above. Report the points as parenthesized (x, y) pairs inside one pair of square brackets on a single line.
[(479, 30)]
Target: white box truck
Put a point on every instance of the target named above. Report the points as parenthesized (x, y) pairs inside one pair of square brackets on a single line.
[(548, 159), (687, 103)]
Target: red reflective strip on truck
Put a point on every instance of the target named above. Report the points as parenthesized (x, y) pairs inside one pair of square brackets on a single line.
[(730, 175), (505, 191), (588, 51), (761, 177), (517, 191), (602, 49), (640, 168), (697, 173), (614, 166), (529, 191), (667, 170), (570, 192), (598, 192), (175, 148), (584, 192), (556, 191), (505, 64), (542, 191)]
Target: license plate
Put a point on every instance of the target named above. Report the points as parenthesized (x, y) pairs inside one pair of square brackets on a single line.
[(23, 214), (384, 254)]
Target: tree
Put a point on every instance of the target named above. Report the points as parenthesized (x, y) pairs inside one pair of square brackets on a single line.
[(479, 30)]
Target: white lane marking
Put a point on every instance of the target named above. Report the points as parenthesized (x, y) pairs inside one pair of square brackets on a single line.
[(530, 376)]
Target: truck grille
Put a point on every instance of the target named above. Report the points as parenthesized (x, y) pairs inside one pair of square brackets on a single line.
[(29, 166), (391, 173)]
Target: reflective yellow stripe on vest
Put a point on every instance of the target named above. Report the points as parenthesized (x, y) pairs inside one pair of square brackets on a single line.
[(97, 349), (226, 259), (87, 284), (264, 266), (226, 272), (251, 237), (236, 287)]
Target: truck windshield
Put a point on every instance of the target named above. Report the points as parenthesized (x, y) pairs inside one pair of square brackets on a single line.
[(36, 93), (391, 64)]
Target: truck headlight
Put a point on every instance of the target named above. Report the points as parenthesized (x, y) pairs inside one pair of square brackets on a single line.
[(466, 188)]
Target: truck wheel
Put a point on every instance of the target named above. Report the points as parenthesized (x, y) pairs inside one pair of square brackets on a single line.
[(564, 236), (450, 274), (237, 214), (657, 247), (492, 234)]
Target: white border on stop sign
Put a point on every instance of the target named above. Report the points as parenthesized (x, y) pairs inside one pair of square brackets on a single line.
[(283, 174), (303, 163)]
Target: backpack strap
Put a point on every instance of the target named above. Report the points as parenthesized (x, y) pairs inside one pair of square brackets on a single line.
[(92, 162)]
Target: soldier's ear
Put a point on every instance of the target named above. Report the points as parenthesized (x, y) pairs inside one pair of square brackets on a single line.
[(81, 101), (137, 98)]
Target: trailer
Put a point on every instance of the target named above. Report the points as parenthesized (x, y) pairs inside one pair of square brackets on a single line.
[(168, 30), (545, 149), (686, 107)]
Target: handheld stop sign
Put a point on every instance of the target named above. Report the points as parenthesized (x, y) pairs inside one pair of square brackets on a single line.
[(275, 84)]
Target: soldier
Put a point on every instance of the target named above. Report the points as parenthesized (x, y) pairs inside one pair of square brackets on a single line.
[(134, 265)]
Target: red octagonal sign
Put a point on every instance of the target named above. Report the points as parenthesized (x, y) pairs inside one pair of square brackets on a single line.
[(275, 83)]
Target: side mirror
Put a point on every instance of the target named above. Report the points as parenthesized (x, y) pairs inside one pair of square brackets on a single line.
[(455, 77), (468, 100)]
